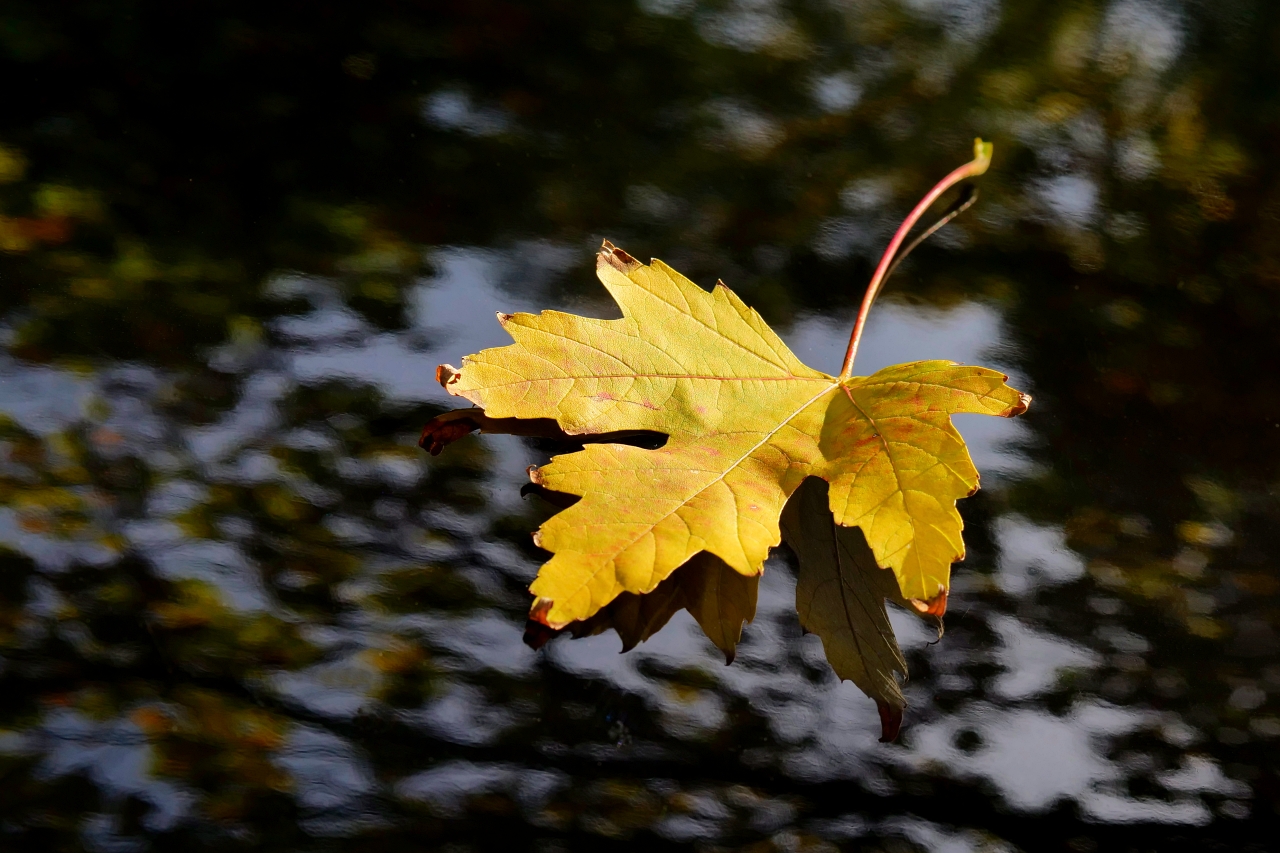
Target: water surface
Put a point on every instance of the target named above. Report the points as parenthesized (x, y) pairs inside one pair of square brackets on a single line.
[(240, 609)]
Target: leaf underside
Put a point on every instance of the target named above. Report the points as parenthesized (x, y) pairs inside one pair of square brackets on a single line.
[(720, 599), (840, 597)]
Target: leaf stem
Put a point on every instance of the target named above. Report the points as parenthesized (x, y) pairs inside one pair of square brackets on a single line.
[(968, 195), (981, 160)]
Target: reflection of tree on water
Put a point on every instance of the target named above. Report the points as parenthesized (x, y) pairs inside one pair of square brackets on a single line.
[(235, 592)]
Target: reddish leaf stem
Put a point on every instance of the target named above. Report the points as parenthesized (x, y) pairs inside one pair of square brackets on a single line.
[(981, 160)]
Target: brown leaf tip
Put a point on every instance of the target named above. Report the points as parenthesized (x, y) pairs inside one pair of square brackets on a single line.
[(503, 319), (444, 430), (1024, 400), (446, 375), (535, 475), (936, 606), (617, 258), (537, 635), (890, 721), (538, 612)]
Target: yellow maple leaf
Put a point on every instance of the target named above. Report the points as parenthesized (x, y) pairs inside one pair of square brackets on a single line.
[(746, 422)]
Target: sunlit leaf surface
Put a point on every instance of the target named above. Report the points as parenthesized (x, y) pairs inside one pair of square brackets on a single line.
[(746, 421)]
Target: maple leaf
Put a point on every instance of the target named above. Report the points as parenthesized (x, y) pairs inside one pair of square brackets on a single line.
[(746, 422)]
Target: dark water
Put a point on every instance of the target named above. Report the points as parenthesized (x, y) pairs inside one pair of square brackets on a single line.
[(241, 610)]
